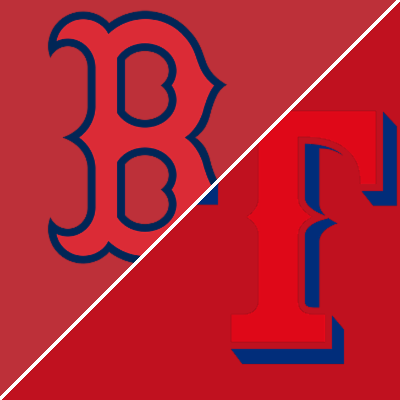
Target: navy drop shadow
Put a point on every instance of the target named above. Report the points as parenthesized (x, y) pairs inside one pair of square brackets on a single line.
[(387, 196), (335, 355)]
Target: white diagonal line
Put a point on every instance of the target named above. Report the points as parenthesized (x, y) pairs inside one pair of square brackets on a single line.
[(200, 198)]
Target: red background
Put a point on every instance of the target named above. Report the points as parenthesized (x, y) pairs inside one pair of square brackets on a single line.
[(165, 330)]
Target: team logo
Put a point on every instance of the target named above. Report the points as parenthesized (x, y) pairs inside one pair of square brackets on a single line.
[(291, 220), (110, 137)]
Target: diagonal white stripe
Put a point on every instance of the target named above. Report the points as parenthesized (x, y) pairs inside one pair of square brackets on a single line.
[(200, 198)]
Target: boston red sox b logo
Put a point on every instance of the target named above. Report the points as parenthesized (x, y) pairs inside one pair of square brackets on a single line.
[(110, 137)]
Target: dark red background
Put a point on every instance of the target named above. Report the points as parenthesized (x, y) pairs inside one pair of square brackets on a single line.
[(164, 332)]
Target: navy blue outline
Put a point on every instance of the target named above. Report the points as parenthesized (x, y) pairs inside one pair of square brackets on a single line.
[(75, 137), (388, 196), (335, 355), (167, 189), (167, 85)]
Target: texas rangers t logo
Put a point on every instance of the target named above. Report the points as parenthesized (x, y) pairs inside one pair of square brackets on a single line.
[(110, 137)]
